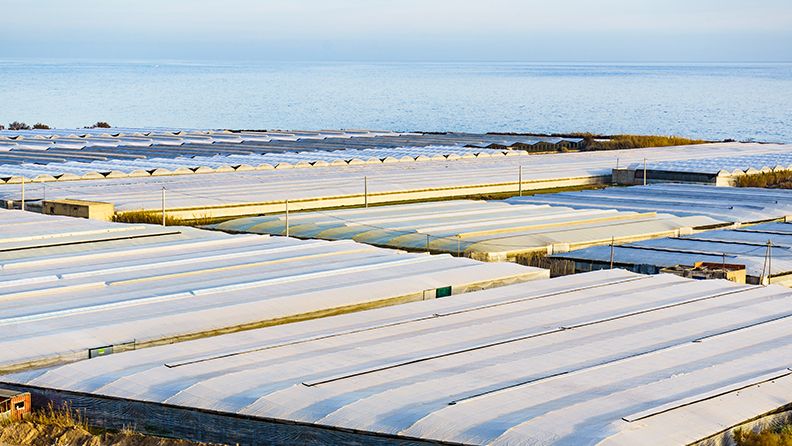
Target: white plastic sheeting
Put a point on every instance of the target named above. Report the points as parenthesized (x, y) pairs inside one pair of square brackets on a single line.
[(608, 357), (26, 229), (484, 230), (60, 168), (726, 165), (746, 246), (208, 194), (68, 285), (737, 205), (50, 155)]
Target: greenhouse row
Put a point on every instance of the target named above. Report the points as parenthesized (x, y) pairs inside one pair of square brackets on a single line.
[(291, 139), (171, 133), (265, 191), (721, 171), (483, 230), (62, 167), (608, 357), (76, 288), (738, 205), (39, 156), (764, 251)]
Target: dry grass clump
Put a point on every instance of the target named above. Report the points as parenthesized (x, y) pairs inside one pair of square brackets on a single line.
[(155, 218), (62, 425), (776, 180), (768, 437), (59, 416), (594, 141), (617, 142)]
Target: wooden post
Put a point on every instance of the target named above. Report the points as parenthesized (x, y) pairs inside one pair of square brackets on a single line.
[(365, 191), (519, 176), (611, 252), (644, 182), (287, 218), (769, 260), (23, 194), (163, 205)]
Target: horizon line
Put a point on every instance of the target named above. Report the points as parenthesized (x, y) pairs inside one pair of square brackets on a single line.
[(383, 61)]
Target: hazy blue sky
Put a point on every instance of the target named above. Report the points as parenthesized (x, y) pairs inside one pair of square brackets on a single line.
[(427, 30)]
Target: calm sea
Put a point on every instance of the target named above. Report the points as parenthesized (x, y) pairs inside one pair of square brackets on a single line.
[(742, 101)]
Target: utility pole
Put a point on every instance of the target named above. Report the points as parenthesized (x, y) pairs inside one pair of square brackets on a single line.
[(613, 239), (163, 205), (519, 176), (23, 194), (766, 265), (287, 218), (644, 175), (365, 191)]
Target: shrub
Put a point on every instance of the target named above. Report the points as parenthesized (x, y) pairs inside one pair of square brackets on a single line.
[(40, 126), (775, 180), (16, 125), (99, 125), (616, 142)]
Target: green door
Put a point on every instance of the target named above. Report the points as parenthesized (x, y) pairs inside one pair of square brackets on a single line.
[(443, 292)]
